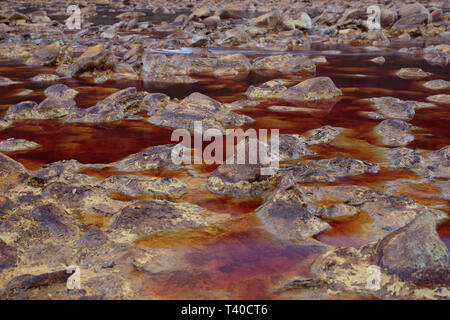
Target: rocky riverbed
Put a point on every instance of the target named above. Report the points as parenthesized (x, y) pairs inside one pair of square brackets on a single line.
[(86, 171)]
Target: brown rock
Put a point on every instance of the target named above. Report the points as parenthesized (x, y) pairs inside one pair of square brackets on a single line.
[(11, 173), (414, 250), (320, 88)]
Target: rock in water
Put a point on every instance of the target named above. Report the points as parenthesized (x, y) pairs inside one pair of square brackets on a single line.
[(414, 250), (93, 57), (320, 88)]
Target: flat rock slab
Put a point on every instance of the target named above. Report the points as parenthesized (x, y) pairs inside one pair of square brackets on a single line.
[(138, 186), (437, 84), (395, 132), (412, 73), (13, 145), (440, 98), (144, 218)]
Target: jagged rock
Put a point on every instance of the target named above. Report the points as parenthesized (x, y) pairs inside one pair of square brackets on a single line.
[(127, 16), (93, 57), (303, 173), (195, 107), (154, 102), (212, 21), (236, 120), (343, 167), (13, 145), (395, 132), (414, 250), (144, 218), (412, 73), (411, 21), (302, 22), (323, 134), (291, 147), (320, 88), (284, 214), (285, 63), (387, 213), (404, 158), (112, 108), (150, 159), (268, 20), (272, 89), (39, 17), (437, 55), (137, 186), (60, 171), (45, 55), (440, 163), (395, 108), (200, 13), (11, 173)]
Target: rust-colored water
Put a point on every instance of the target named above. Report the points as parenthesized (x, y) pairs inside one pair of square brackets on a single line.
[(240, 259)]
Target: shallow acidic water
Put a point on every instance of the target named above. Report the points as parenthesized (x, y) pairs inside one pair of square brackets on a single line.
[(242, 260)]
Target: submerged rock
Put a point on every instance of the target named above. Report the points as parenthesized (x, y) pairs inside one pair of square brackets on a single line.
[(52, 218), (11, 173)]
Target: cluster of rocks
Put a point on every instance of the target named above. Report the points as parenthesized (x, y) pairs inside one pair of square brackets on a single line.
[(57, 215)]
